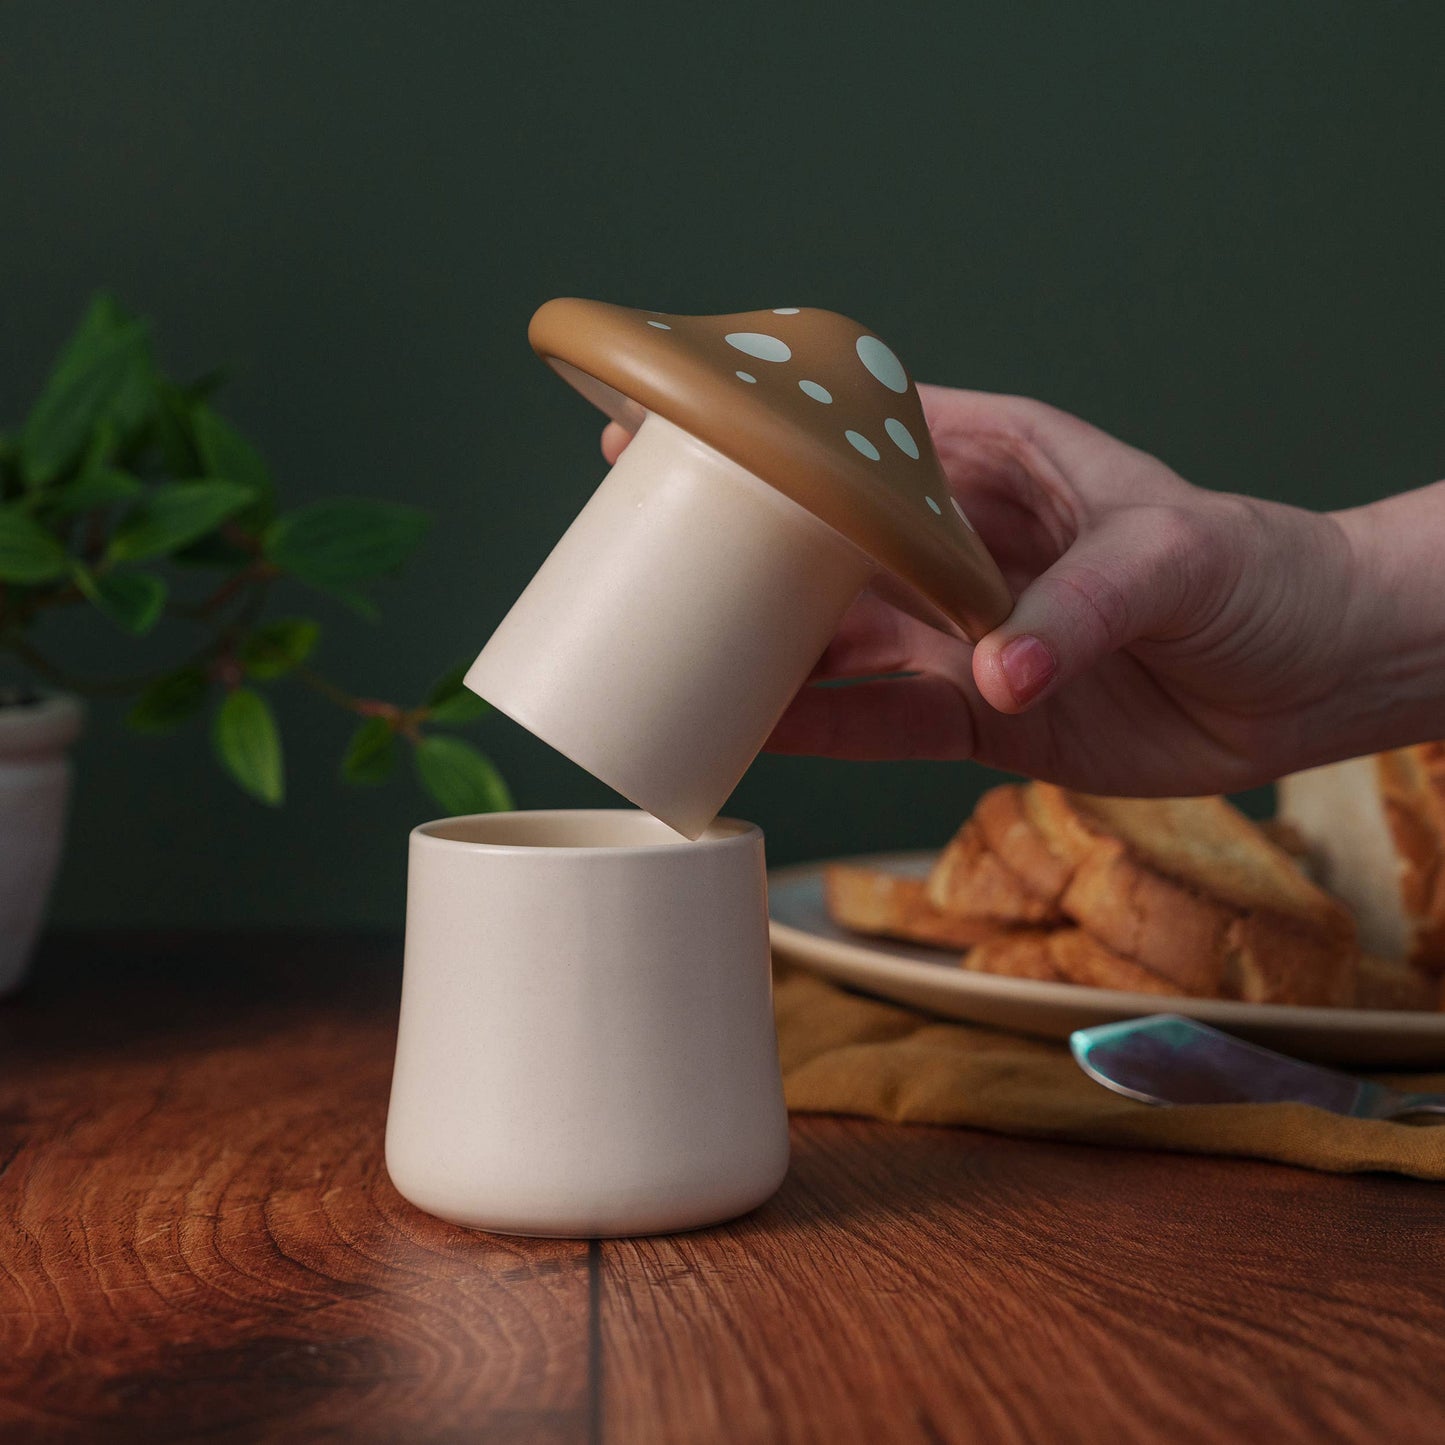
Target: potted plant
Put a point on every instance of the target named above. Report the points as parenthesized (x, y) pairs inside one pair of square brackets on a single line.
[(129, 495)]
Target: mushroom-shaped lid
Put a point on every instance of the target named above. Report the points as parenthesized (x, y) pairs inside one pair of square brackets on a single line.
[(807, 400)]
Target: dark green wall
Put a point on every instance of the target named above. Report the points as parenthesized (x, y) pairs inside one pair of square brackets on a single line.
[(1215, 229)]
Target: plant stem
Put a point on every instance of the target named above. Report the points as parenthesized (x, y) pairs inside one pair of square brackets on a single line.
[(328, 689), (401, 720), (101, 686), (42, 666), (220, 647), (255, 574)]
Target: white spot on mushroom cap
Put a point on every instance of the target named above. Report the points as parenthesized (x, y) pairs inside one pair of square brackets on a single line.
[(661, 325), (902, 437), (882, 364), (818, 393), (934, 507), (746, 376), (963, 516), (785, 310), (861, 443), (756, 343)]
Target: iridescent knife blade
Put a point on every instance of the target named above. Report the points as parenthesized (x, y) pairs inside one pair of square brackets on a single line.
[(1166, 1059)]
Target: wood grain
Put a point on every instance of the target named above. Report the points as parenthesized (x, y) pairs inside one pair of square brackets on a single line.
[(197, 1235), (198, 1241), (929, 1285)]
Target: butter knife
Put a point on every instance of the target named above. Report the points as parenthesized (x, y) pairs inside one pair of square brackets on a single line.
[(1166, 1059)]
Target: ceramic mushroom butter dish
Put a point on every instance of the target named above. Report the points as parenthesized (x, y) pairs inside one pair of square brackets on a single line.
[(780, 464)]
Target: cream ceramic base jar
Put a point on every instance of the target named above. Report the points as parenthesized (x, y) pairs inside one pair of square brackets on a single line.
[(586, 1045)]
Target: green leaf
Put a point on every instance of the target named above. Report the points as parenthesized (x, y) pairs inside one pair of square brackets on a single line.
[(132, 600), (371, 754), (358, 602), (172, 430), (333, 545), (205, 386), (245, 739), (169, 701), (212, 550), (28, 553), (460, 778), (103, 487), (225, 453), (451, 701), (99, 449), (135, 403), (273, 650), (101, 374), (173, 514)]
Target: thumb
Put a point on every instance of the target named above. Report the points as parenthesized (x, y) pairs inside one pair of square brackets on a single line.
[(1132, 577)]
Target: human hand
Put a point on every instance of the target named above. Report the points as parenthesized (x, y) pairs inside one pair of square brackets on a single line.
[(1166, 639)]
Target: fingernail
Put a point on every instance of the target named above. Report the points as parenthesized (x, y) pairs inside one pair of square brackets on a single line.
[(1028, 668)]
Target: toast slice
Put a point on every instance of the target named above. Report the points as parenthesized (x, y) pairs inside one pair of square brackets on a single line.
[(1006, 818), (1022, 953), (973, 880), (893, 905), (1195, 892), (1081, 958), (1284, 834), (1063, 955), (1375, 827), (1388, 983)]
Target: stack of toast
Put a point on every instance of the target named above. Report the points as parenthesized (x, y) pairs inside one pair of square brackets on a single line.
[(1167, 896)]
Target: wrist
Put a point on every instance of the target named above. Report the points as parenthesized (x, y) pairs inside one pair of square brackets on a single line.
[(1393, 639)]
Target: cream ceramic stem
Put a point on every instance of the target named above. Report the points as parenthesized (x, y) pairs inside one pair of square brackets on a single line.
[(668, 629)]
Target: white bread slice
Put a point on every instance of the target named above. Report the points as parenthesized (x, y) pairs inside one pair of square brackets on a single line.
[(1340, 813), (1375, 827)]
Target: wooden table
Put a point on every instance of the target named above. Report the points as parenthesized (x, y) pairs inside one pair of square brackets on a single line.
[(198, 1241)]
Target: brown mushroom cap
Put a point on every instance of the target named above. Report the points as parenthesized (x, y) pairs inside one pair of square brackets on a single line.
[(811, 402)]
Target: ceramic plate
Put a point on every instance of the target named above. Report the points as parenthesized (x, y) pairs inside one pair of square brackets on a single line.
[(927, 978)]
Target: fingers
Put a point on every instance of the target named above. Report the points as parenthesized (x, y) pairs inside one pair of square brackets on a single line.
[(1106, 544), (992, 450), (904, 717), (874, 637), (1032, 477), (928, 714), (949, 407), (615, 437), (1136, 576), (1034, 430)]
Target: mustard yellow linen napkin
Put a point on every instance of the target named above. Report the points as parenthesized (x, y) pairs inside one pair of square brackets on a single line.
[(844, 1054)]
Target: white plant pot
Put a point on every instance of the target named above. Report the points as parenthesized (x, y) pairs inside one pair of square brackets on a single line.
[(34, 792)]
